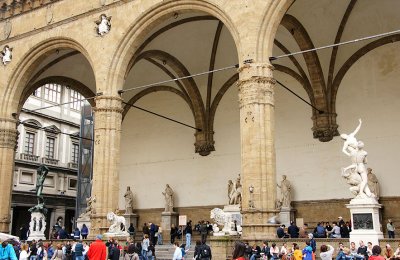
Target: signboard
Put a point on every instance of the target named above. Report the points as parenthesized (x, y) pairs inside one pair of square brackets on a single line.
[(182, 220)]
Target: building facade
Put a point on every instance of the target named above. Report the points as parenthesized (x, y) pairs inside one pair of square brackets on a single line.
[(49, 135), (241, 119)]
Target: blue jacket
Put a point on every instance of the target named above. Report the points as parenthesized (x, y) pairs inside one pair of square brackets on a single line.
[(7, 253), (307, 253), (84, 231)]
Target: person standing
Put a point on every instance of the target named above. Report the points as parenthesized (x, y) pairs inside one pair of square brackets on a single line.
[(203, 231), (97, 249), (188, 231), (145, 246), (390, 228), (84, 231), (131, 231), (159, 235), (177, 252), (79, 251), (7, 251)]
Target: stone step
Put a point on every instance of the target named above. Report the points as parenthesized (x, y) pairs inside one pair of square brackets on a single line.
[(165, 252)]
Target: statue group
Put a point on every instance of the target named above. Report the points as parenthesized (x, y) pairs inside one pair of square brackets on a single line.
[(356, 173), (234, 192)]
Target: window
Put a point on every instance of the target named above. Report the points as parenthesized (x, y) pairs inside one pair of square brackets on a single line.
[(73, 184), (50, 147), (52, 92), (29, 143), (76, 100), (37, 92), (75, 153)]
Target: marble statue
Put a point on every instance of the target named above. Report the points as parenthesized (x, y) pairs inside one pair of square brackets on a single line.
[(169, 199), (103, 25), (373, 183), (128, 200), (230, 188), (89, 207), (286, 188), (116, 222), (224, 219), (355, 150), (236, 193), (6, 55)]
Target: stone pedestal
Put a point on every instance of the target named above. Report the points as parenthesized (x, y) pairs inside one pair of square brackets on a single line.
[(83, 219), (286, 215), (131, 218), (37, 226), (365, 220), (167, 219)]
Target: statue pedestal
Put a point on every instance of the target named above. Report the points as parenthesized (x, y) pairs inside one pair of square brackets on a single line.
[(131, 218), (121, 236), (365, 220), (37, 226), (286, 215), (167, 219), (83, 219)]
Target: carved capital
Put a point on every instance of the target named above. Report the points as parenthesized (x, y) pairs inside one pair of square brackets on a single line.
[(108, 104), (325, 127), (256, 90), (8, 133), (204, 144)]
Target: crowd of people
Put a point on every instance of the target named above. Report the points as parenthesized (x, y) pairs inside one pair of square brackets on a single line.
[(243, 251)]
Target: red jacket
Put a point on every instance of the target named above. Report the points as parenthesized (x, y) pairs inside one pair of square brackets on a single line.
[(97, 250)]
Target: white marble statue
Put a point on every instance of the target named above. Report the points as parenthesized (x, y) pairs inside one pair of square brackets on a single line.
[(128, 200), (373, 183), (221, 218), (116, 222), (286, 190), (103, 25), (169, 199), (230, 189), (37, 226), (236, 193), (6, 55), (355, 150)]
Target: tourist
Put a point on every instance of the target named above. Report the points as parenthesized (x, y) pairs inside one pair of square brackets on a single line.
[(297, 254), (397, 253), (344, 254), (131, 254), (345, 230), (280, 231), (319, 231), (390, 228), (248, 251), (7, 251), (376, 253), (308, 251), (151, 252), (139, 249), (313, 243), (369, 249), (256, 252), (97, 249), (353, 248), (77, 234), (177, 252), (303, 233), (197, 249), (188, 232), (203, 231), (58, 253), (388, 252), (78, 249), (239, 251), (24, 255), (328, 226), (173, 233), (159, 236), (84, 231), (131, 231), (293, 230), (265, 253), (145, 229), (325, 253), (62, 234), (284, 250), (145, 246), (340, 221), (362, 250), (41, 251), (274, 251), (335, 232), (205, 251), (153, 230)]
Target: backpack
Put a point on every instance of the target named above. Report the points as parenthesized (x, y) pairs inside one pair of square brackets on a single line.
[(204, 252)]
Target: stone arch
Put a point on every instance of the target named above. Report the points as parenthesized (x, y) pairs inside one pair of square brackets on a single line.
[(20, 77), (72, 83), (269, 25), (137, 33)]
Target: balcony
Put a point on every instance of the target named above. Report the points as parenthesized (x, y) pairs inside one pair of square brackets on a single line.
[(50, 161), (29, 157)]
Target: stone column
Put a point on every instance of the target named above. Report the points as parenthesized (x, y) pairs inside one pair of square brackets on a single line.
[(257, 126), (8, 141), (107, 137)]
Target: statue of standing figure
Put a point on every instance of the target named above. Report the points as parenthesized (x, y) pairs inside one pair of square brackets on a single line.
[(236, 193), (373, 183), (128, 200), (355, 150), (169, 200), (285, 192)]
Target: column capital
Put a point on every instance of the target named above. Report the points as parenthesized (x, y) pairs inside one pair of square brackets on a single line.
[(8, 133), (256, 69), (108, 104)]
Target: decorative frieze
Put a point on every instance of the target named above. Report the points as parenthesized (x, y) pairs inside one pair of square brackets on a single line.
[(10, 8)]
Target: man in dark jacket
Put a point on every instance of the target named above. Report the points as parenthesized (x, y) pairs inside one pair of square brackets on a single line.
[(293, 230), (280, 231)]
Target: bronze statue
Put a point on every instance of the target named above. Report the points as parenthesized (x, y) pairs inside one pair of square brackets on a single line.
[(42, 172)]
